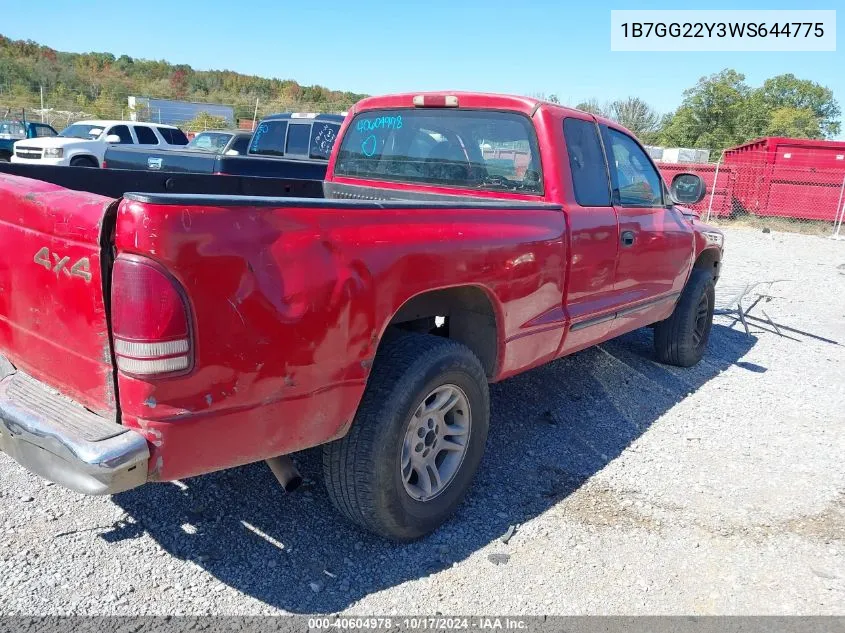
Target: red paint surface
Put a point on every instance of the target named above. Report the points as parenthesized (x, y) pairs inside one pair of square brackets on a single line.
[(53, 324), (288, 304)]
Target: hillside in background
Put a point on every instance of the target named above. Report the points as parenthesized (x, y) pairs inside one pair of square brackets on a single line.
[(719, 111), (98, 84)]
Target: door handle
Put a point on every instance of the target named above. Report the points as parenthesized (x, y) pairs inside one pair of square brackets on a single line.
[(627, 238)]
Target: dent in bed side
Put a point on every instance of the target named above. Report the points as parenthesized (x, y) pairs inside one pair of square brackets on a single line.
[(287, 303)]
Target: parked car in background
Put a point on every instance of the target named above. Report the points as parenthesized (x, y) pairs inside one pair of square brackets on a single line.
[(83, 144), (14, 130), (229, 142), (199, 156), (287, 145)]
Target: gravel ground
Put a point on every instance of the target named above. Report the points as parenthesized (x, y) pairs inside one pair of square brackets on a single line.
[(635, 488)]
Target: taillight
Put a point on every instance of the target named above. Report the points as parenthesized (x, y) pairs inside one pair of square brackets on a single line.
[(103, 165), (150, 324)]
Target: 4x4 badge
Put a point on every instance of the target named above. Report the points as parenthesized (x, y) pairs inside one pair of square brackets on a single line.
[(81, 268)]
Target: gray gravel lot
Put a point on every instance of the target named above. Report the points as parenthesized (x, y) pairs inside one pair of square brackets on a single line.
[(634, 488)]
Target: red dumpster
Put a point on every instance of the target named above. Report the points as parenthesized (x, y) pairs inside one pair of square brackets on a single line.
[(788, 177)]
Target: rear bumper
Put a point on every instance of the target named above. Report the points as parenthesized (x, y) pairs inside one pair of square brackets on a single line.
[(60, 440)]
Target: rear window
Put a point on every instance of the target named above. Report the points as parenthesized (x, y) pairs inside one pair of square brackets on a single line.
[(12, 129), (323, 136), (173, 136), (475, 149), (210, 142), (240, 145), (298, 136), (269, 138)]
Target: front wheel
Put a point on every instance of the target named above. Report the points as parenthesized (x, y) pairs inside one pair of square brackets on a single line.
[(84, 161), (682, 338), (417, 439)]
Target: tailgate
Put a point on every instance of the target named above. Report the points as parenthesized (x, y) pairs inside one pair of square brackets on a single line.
[(53, 321)]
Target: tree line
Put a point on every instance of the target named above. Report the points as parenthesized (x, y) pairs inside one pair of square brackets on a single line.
[(719, 111), (722, 110), (99, 83)]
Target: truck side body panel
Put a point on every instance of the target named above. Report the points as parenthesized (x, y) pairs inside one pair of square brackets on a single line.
[(290, 302)]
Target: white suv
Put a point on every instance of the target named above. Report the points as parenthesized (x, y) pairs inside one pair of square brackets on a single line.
[(83, 144)]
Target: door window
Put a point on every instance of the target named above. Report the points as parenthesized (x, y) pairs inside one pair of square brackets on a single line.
[(123, 132), (637, 180), (173, 136)]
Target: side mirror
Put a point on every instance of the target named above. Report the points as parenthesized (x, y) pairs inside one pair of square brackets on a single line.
[(687, 188), (112, 138)]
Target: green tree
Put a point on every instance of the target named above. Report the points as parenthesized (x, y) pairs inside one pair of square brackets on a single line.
[(787, 91), (794, 122), (205, 121), (636, 115), (592, 106), (711, 114)]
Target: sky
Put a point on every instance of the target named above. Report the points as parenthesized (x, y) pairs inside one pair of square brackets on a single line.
[(517, 46)]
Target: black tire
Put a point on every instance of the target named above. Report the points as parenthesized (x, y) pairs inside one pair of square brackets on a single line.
[(5, 157), (682, 338), (84, 161), (362, 470)]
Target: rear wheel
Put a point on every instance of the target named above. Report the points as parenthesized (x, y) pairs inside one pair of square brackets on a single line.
[(682, 338), (84, 161), (5, 157), (417, 439)]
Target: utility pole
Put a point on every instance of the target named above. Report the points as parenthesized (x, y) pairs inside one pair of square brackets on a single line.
[(255, 115), (42, 103)]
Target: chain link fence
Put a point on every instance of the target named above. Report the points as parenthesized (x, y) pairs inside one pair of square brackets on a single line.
[(793, 185), (59, 109)]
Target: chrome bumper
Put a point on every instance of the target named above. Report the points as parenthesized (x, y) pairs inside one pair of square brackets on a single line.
[(62, 441)]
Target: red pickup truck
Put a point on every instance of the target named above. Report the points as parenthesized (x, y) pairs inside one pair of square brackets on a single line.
[(462, 238)]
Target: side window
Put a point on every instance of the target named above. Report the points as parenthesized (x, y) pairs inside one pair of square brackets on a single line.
[(123, 132), (638, 181), (44, 130), (587, 164), (12, 129), (269, 138), (173, 136), (145, 135)]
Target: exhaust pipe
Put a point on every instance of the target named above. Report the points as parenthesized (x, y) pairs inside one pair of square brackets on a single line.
[(285, 471)]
